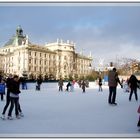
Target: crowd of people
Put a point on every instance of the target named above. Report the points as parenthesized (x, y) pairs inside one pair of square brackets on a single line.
[(12, 83), (70, 85)]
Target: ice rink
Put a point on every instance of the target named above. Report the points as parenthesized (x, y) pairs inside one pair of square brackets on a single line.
[(50, 113)]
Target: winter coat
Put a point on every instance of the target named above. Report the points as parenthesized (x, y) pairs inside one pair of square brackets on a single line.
[(14, 88), (132, 82), (8, 82), (83, 85), (60, 83), (100, 82), (69, 84), (2, 88), (113, 79), (22, 80), (39, 81)]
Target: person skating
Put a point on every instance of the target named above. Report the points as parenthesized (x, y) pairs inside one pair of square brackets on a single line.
[(126, 86), (113, 80), (8, 84), (100, 84), (72, 85), (83, 85), (39, 82), (138, 124), (60, 84), (68, 85), (133, 84), (2, 89), (23, 82), (14, 97)]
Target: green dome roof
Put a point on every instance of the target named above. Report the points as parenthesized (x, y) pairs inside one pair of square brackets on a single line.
[(16, 39)]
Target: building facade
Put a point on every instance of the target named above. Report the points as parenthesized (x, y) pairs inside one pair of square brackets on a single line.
[(53, 60)]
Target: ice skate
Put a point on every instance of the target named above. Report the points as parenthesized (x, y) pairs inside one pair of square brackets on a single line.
[(3, 117), (18, 116), (21, 114), (10, 118)]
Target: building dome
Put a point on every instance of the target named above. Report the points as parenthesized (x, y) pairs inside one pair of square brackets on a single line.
[(19, 31), (17, 39)]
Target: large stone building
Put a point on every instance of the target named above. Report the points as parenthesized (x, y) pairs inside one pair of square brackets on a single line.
[(54, 60)]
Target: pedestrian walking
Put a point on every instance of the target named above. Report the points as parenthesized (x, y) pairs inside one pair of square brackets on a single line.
[(2, 89), (100, 84), (60, 84), (113, 81), (133, 84)]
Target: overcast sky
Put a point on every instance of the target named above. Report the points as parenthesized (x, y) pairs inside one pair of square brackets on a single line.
[(107, 31)]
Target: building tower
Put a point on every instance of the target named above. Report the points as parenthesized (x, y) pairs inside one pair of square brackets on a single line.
[(19, 31)]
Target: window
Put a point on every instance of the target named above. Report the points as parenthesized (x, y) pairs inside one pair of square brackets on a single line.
[(40, 62), (29, 60), (35, 61), (65, 57), (29, 53), (59, 57), (29, 68)]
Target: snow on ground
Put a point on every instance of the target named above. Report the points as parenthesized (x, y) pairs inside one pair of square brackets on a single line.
[(50, 113)]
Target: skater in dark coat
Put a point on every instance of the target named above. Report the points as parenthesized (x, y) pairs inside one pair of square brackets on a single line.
[(23, 82), (14, 97), (100, 84), (60, 84), (68, 85), (113, 81), (8, 85), (133, 84), (39, 82), (83, 85)]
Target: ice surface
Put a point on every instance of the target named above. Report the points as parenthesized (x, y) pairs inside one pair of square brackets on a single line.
[(50, 113)]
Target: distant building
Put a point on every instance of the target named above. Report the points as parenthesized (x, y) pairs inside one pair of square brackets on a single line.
[(53, 60)]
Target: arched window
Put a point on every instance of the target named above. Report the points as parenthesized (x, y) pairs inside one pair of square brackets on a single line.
[(65, 57)]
